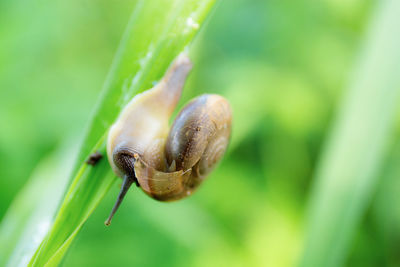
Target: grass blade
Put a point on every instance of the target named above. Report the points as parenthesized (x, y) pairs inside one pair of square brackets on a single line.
[(348, 171), (30, 215), (156, 33)]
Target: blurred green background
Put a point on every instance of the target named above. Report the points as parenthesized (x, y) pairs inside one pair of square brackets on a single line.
[(282, 64)]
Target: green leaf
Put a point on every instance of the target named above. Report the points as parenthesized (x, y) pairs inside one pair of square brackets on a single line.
[(157, 32), (30, 215), (347, 175)]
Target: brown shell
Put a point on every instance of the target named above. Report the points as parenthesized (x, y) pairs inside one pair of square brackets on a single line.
[(197, 140)]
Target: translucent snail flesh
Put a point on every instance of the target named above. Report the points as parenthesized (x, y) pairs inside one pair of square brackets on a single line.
[(168, 163)]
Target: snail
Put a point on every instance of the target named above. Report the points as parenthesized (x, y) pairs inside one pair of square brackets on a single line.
[(168, 163)]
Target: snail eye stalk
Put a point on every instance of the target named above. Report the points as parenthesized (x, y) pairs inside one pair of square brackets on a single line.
[(126, 184)]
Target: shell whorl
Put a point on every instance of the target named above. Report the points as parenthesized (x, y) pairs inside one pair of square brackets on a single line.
[(196, 142), (200, 133)]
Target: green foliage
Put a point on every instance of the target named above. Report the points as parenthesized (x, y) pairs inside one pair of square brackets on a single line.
[(284, 66), (349, 167), (30, 216)]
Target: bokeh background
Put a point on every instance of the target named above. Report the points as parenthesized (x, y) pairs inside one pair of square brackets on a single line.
[(284, 65)]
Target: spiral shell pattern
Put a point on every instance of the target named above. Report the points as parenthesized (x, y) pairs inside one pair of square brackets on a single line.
[(196, 142)]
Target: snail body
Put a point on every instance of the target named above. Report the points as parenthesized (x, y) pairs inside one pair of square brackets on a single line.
[(168, 163)]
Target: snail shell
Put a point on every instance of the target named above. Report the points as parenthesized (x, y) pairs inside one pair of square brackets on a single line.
[(168, 163)]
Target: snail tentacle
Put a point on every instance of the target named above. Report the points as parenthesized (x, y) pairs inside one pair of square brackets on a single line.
[(126, 184)]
